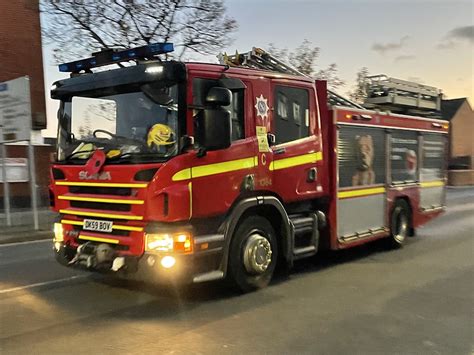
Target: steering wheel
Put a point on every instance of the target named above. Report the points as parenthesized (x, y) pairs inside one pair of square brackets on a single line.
[(110, 134), (121, 139)]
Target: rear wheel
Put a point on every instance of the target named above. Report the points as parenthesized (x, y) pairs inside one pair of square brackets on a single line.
[(253, 254), (399, 223)]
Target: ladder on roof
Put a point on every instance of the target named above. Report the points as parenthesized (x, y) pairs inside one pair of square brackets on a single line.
[(402, 96), (257, 58)]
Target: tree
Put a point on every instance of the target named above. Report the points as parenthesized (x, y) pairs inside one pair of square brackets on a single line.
[(77, 28), (304, 59), (359, 94)]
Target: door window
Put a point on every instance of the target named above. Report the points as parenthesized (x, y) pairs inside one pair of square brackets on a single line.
[(292, 114), (236, 108)]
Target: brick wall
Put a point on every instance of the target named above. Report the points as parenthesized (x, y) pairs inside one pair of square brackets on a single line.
[(20, 51)]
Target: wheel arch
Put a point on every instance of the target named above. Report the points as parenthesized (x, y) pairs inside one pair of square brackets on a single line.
[(268, 207)]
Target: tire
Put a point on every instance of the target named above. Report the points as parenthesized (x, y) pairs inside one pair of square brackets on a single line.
[(399, 224), (251, 262)]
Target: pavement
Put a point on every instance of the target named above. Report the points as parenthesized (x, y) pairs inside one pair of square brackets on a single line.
[(367, 300), (23, 229)]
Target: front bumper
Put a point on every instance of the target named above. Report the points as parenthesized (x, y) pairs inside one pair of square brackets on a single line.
[(187, 268)]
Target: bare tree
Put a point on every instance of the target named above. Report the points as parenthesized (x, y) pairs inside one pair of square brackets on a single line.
[(359, 93), (75, 28), (304, 58)]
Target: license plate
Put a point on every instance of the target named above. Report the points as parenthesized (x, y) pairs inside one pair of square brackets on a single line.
[(99, 226)]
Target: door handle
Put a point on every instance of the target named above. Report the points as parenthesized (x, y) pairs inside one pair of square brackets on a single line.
[(312, 175), (271, 139), (279, 151)]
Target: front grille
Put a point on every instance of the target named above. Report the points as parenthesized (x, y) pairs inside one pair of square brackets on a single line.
[(101, 206), (115, 246), (116, 232), (92, 190)]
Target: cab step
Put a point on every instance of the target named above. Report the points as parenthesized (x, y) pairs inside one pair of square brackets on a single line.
[(306, 235)]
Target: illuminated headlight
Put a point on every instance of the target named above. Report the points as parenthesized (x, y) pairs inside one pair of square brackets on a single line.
[(155, 69), (169, 243), (168, 262), (58, 232)]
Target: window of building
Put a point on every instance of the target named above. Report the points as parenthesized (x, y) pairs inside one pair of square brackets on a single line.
[(292, 114)]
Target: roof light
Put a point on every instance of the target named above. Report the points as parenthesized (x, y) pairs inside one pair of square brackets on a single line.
[(111, 56), (154, 69)]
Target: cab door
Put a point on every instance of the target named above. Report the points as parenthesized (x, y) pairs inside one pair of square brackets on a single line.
[(297, 153), (219, 177)]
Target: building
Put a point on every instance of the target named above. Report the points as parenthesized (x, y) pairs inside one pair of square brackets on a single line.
[(21, 55), (20, 51), (460, 115)]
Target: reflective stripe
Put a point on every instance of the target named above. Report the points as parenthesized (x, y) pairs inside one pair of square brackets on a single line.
[(216, 168), (432, 184), (295, 161), (190, 187), (99, 184), (116, 227), (97, 239), (184, 174), (103, 215), (361, 192), (104, 200)]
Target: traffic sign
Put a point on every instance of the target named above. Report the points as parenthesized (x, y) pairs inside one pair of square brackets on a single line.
[(15, 110)]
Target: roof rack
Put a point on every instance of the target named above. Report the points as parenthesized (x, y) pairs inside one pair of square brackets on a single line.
[(402, 96), (114, 56), (257, 58)]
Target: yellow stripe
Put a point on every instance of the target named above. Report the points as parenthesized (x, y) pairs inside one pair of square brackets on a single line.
[(97, 239), (432, 184), (362, 192), (103, 215), (116, 227), (105, 200), (99, 184), (184, 174), (216, 168), (296, 161), (190, 187)]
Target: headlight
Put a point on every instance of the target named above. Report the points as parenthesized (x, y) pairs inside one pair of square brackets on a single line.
[(58, 232), (169, 243)]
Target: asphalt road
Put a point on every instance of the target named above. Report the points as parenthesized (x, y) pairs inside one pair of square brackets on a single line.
[(418, 300)]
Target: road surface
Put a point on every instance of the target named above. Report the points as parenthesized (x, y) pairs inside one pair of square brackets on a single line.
[(418, 300)]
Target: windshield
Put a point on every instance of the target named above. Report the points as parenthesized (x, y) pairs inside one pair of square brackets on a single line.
[(142, 125)]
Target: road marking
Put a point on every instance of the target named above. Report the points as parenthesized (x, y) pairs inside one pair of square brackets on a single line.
[(19, 288), (29, 242)]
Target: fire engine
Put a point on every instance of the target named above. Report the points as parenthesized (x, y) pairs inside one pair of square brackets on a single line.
[(196, 172)]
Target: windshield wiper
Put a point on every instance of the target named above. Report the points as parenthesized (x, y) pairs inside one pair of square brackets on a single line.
[(80, 152), (127, 157)]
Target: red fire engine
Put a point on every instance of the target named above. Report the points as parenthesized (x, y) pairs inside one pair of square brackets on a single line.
[(198, 172)]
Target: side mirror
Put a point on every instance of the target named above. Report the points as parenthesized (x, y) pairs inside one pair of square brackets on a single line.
[(218, 96), (213, 129)]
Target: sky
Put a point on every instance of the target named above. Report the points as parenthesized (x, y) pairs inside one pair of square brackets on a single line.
[(428, 41)]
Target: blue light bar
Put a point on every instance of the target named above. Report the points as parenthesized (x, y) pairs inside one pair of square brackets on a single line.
[(111, 56)]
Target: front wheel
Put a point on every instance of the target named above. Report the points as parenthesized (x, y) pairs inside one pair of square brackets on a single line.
[(253, 254), (399, 223)]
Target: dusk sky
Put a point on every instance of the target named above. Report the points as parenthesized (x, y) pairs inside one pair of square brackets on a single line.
[(429, 41)]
